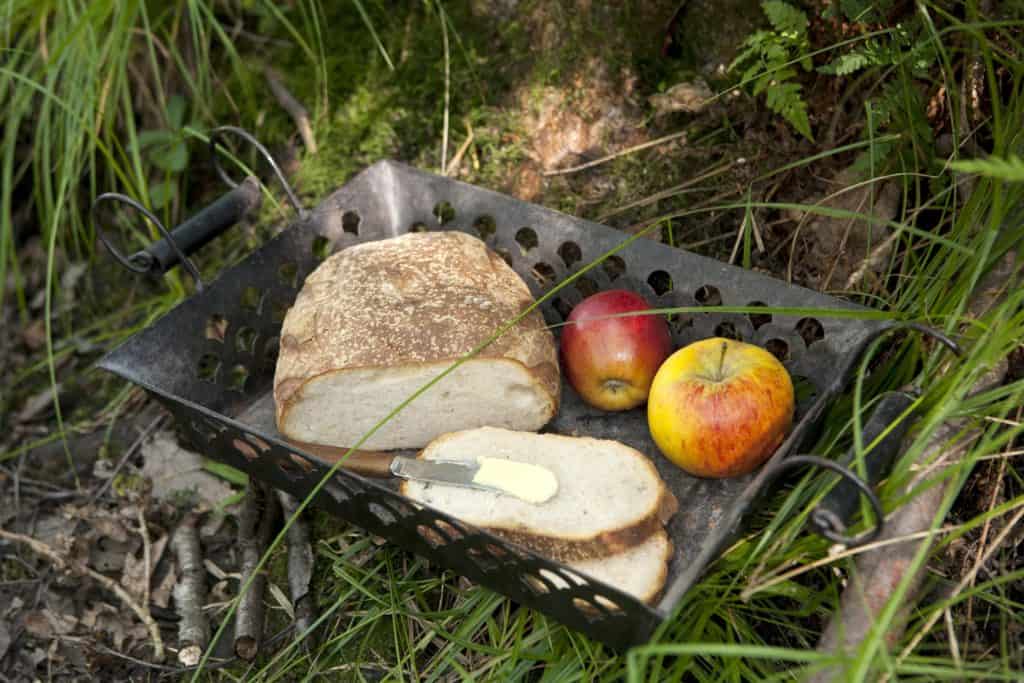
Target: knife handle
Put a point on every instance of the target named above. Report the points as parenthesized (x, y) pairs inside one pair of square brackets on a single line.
[(367, 463)]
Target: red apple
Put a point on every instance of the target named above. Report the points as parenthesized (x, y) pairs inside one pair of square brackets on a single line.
[(719, 408), (611, 361)]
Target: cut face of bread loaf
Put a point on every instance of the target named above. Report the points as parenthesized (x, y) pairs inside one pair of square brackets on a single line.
[(377, 321), (610, 497), (639, 571)]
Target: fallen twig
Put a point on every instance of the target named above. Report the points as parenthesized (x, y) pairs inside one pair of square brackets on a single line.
[(147, 555), (293, 107), (81, 569), (300, 568), (255, 525), (878, 573), (453, 165), (190, 593), (621, 153)]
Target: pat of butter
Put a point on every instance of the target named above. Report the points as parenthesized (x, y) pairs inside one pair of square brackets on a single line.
[(532, 483)]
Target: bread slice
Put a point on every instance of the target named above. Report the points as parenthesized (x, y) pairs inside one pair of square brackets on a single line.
[(610, 497), (377, 321), (640, 571)]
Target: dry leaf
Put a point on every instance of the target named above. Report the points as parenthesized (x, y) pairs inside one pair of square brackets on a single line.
[(46, 624), (5, 639), (34, 334), (161, 595), (36, 404), (136, 575)]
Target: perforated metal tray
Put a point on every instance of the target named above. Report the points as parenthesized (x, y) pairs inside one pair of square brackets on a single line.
[(211, 362)]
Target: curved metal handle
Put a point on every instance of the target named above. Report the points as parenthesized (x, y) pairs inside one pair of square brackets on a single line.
[(833, 515), (218, 134), (175, 245), (854, 480)]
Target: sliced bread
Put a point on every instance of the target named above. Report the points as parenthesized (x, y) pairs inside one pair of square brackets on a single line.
[(640, 571), (377, 321), (610, 497)]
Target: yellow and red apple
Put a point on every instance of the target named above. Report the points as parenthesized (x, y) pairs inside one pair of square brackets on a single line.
[(610, 361), (719, 407)]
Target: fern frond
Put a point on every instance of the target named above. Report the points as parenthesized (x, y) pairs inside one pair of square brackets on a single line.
[(844, 65), (785, 99), (785, 18)]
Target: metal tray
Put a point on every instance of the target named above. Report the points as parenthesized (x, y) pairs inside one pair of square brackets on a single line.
[(211, 360)]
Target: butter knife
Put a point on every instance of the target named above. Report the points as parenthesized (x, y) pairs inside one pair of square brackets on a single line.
[(526, 481)]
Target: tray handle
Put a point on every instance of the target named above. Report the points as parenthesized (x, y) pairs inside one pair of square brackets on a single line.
[(218, 134), (856, 485), (176, 245), (833, 515)]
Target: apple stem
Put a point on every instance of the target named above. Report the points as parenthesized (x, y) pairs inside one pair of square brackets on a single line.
[(721, 360)]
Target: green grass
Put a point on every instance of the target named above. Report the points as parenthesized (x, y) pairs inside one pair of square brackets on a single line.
[(84, 81)]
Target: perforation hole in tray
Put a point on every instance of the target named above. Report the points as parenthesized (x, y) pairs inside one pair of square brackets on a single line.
[(708, 295), (570, 253), (245, 340), (216, 328), (588, 609), (810, 330), (586, 286), (803, 389), (382, 513), (534, 583), (497, 551), (558, 581), (679, 323), (258, 442), (484, 561), (660, 281), (543, 273), (246, 450), (237, 377), (759, 319), (505, 255), (561, 307), (526, 238), (251, 299), (350, 222), (288, 275), (728, 330), (208, 367), (339, 494), (778, 348), (444, 212), (614, 267), (271, 347), (485, 227), (453, 532), (291, 467), (321, 247), (278, 310), (433, 538)]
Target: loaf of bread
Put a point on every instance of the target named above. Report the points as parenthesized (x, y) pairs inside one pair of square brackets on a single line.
[(377, 321), (610, 497)]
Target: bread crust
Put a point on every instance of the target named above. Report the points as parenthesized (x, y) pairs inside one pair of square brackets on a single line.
[(421, 298), (603, 544)]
